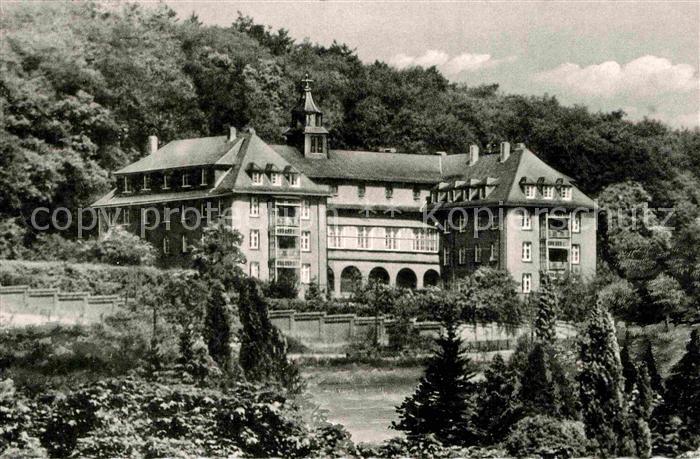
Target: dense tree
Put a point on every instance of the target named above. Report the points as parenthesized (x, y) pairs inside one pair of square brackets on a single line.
[(546, 319), (601, 385), (537, 390), (499, 407), (263, 354), (649, 363), (444, 403), (629, 369)]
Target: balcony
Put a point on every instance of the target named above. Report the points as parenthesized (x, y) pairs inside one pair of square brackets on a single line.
[(288, 254), (558, 265), (285, 221), (287, 231), (558, 233)]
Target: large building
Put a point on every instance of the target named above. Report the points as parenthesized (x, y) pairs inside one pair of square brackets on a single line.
[(336, 217)]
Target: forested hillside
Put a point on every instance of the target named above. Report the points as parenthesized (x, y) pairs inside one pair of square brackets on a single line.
[(83, 85)]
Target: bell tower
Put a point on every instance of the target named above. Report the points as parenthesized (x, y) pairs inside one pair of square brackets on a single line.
[(306, 131)]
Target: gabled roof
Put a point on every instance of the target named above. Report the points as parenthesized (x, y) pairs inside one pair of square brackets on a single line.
[(187, 153), (365, 165)]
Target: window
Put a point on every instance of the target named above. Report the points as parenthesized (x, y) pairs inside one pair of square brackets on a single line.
[(306, 241), (424, 240), (126, 215), (461, 223), (166, 179), (530, 191), (446, 226), (294, 180), (254, 239), (527, 251), (185, 179), (127, 185), (166, 245), (305, 209), (204, 177), (462, 256), (334, 190), (416, 194), (147, 182), (576, 223), (361, 190), (363, 240), (575, 254), (566, 193), (527, 283), (184, 244), (525, 219), (389, 191), (254, 206), (493, 256), (275, 179), (305, 273), (257, 178), (255, 269), (334, 237), (446, 256), (316, 144), (548, 192), (391, 241), (477, 254)]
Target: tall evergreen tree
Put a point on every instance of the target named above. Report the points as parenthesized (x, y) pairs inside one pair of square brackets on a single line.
[(649, 362), (642, 399), (682, 395), (545, 322), (499, 407), (263, 354), (602, 385), (629, 370), (217, 327), (537, 391), (444, 402)]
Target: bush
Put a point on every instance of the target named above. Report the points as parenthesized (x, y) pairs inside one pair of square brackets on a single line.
[(426, 446), (131, 417), (97, 279), (546, 437)]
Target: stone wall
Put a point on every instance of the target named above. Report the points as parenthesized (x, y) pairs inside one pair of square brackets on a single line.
[(21, 305)]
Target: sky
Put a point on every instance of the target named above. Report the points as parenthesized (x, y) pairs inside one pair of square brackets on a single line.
[(641, 57)]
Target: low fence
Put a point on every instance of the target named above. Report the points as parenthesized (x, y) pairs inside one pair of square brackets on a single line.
[(21, 305), (338, 330)]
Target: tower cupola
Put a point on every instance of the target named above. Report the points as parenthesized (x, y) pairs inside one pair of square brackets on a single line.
[(306, 131)]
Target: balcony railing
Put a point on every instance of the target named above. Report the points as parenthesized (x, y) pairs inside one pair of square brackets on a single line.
[(558, 265), (285, 221), (558, 233), (288, 254), (286, 231)]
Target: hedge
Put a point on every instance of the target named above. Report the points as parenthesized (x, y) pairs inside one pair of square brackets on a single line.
[(97, 279)]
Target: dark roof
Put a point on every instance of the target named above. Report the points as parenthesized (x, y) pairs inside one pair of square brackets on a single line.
[(365, 165), (187, 153), (112, 200)]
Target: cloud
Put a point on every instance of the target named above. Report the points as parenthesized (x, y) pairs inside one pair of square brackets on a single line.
[(644, 76), (465, 62)]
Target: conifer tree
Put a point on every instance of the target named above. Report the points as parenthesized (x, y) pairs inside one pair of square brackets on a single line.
[(682, 395), (602, 385), (642, 398), (629, 370), (499, 408), (649, 362), (263, 354), (537, 391), (444, 402), (545, 322), (217, 326)]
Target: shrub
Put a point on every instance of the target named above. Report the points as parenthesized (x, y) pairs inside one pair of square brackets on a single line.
[(130, 417), (97, 279), (286, 285), (546, 437)]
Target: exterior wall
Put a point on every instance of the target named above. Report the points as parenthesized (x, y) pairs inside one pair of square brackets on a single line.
[(375, 195), (586, 238), (244, 223), (515, 236)]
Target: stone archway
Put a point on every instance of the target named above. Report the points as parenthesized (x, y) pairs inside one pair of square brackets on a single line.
[(406, 278), (431, 278), (380, 275), (350, 279)]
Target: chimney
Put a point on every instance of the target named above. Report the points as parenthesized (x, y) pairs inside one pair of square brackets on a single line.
[(505, 151), (152, 144), (231, 134), (251, 131), (473, 154), (520, 146)]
